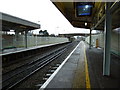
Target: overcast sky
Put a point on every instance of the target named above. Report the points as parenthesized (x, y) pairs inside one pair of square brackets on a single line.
[(42, 12)]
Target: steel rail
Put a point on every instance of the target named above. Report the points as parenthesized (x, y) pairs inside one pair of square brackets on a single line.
[(29, 63), (38, 64)]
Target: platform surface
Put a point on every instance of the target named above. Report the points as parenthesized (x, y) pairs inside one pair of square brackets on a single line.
[(95, 64), (73, 73), (66, 77)]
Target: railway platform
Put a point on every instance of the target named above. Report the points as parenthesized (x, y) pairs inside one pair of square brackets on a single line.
[(81, 70), (17, 50)]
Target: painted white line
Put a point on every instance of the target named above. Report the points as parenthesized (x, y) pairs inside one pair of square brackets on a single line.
[(57, 70)]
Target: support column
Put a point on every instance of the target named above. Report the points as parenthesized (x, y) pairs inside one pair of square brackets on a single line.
[(0, 37), (0, 41), (16, 38), (36, 40), (90, 39), (1, 51), (107, 40), (26, 39)]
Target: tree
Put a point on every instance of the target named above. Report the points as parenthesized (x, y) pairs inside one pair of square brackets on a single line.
[(53, 35), (45, 33), (41, 32)]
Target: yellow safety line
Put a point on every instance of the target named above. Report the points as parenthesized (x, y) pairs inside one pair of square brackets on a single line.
[(86, 71)]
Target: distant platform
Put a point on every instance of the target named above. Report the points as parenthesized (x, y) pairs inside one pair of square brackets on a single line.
[(17, 50)]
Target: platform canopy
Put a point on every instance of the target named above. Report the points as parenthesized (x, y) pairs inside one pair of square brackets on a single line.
[(76, 34), (14, 23), (98, 15), (78, 13)]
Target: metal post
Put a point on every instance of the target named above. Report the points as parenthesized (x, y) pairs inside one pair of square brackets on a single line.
[(26, 39), (90, 39), (107, 41)]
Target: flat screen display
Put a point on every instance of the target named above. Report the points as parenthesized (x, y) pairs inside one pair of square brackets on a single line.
[(84, 10)]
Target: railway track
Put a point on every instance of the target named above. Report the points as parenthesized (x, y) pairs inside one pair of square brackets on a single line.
[(18, 75)]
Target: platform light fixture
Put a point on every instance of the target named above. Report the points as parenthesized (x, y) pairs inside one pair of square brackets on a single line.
[(85, 24), (12, 30)]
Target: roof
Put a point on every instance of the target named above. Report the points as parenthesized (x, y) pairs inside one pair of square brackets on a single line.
[(76, 34), (95, 20), (10, 22)]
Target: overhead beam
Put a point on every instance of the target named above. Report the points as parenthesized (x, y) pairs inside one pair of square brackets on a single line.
[(98, 23), (115, 6)]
